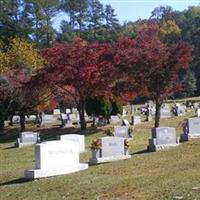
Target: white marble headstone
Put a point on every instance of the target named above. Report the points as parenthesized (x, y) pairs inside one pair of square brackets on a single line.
[(198, 112), (121, 131), (55, 158), (76, 138)]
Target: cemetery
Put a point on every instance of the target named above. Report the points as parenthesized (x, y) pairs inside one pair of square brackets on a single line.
[(98, 101), (67, 157)]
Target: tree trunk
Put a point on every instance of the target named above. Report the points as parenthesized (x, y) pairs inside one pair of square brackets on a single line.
[(11, 120), (2, 124), (93, 120), (157, 114), (22, 122), (81, 109), (2, 117)]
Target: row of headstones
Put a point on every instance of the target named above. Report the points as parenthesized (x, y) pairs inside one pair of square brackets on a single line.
[(166, 111), (67, 119), (62, 156), (114, 119), (165, 137), (31, 138)]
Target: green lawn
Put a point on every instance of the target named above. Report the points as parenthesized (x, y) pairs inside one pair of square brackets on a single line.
[(169, 174)]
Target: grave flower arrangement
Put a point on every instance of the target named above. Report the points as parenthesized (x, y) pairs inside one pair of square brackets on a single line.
[(126, 143), (96, 144)]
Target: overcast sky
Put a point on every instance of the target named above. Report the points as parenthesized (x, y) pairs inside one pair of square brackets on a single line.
[(131, 10)]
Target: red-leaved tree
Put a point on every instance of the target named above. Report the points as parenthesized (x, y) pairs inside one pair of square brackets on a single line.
[(152, 65), (80, 70)]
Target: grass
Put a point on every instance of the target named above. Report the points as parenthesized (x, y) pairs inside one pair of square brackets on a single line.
[(164, 175)]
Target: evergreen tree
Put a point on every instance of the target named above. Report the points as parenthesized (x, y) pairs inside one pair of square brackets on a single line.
[(96, 17), (77, 11), (67, 33), (190, 83), (14, 20), (42, 13), (111, 23)]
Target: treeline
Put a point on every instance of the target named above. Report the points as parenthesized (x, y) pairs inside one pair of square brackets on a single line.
[(33, 19), (93, 56), (93, 21)]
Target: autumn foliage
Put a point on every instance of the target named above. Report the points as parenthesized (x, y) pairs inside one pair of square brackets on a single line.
[(152, 65), (81, 70)]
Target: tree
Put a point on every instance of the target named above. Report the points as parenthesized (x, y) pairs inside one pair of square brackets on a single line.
[(98, 106), (67, 33), (41, 13), (14, 20), (22, 54), (5, 99), (148, 59), (84, 68), (117, 108), (77, 11), (162, 13), (190, 83), (20, 62), (111, 23), (170, 31), (95, 17)]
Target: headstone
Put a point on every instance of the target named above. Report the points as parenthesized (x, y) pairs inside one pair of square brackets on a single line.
[(196, 105), (66, 122), (162, 138), (198, 112), (74, 117), (124, 112), (55, 158), (165, 112), (16, 118), (136, 120), (64, 116), (113, 149), (47, 118), (56, 112), (76, 138), (180, 110), (30, 118), (114, 119), (121, 131), (74, 110), (125, 122), (27, 139), (192, 129), (68, 111)]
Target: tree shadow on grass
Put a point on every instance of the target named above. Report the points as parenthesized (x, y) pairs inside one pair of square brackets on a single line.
[(10, 135), (141, 152), (46, 133), (16, 181), (11, 147)]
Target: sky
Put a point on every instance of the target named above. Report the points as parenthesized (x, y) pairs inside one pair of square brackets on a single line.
[(131, 10)]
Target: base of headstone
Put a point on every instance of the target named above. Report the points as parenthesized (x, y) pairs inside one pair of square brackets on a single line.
[(160, 147), (41, 173), (23, 144), (94, 161), (149, 118), (69, 126), (186, 137), (153, 147)]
